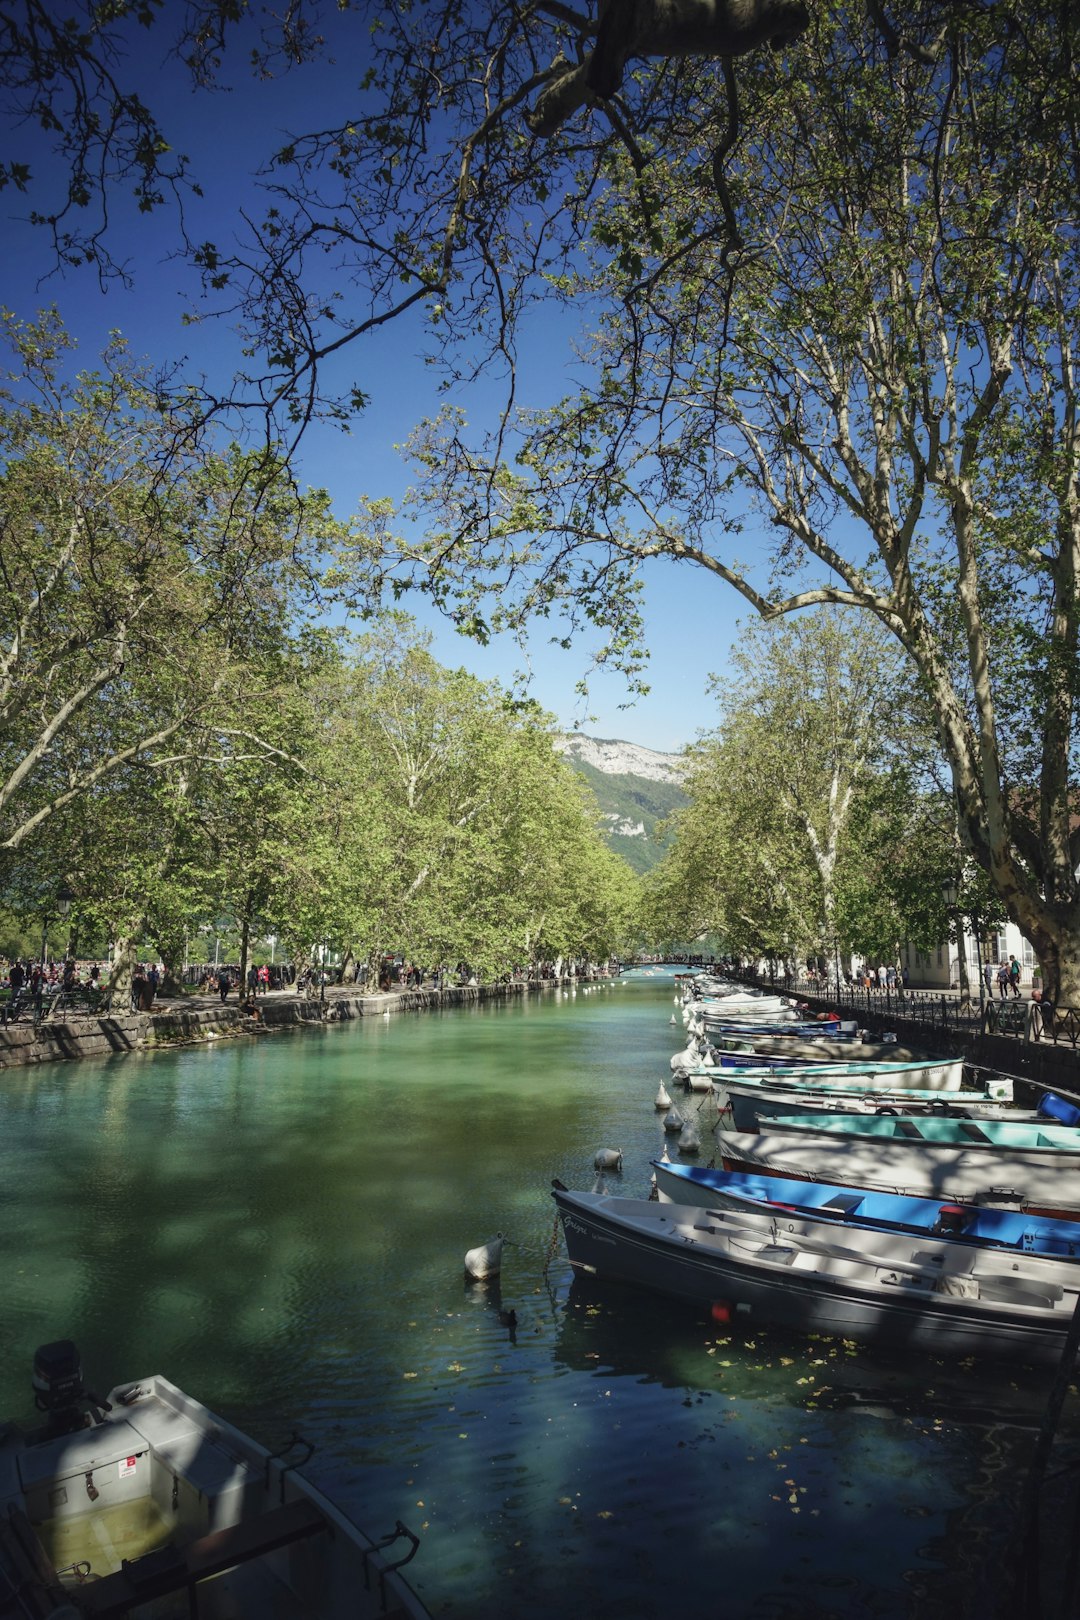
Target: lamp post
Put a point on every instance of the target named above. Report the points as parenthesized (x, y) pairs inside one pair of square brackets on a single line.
[(63, 899), (978, 959), (950, 894)]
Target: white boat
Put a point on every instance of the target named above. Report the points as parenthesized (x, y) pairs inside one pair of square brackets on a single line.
[(925, 1293), (747, 1100), (945, 1074), (149, 1498)]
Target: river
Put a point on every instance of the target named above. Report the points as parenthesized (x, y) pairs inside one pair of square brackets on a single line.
[(279, 1225)]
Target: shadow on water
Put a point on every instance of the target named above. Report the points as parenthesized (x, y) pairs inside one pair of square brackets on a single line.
[(280, 1227)]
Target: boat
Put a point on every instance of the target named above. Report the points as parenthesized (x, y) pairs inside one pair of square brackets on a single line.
[(746, 1101), (149, 1497), (945, 1297), (825, 1050), (946, 1075), (894, 1155), (857, 1206)]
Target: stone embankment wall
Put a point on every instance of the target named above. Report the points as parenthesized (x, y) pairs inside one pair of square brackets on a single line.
[(175, 1024)]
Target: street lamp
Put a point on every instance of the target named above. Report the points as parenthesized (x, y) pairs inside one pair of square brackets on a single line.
[(950, 893), (62, 901)]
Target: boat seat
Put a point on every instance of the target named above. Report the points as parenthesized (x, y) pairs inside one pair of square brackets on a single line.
[(38, 1588), (843, 1204), (172, 1569), (1006, 1290)]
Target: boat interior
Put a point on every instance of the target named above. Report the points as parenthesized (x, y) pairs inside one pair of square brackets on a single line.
[(160, 1509)]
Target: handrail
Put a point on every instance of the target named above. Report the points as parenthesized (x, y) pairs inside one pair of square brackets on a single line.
[(1016, 1018)]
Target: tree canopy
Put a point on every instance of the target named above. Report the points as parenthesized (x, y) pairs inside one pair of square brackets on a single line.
[(826, 332)]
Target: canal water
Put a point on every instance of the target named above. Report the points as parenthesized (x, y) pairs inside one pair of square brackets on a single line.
[(279, 1225)]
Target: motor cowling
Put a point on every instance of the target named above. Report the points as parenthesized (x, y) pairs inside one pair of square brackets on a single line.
[(57, 1376), (59, 1390)]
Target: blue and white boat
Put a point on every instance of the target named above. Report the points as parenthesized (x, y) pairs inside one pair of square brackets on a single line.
[(857, 1206)]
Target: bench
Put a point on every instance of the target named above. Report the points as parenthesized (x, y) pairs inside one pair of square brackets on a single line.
[(175, 1569)]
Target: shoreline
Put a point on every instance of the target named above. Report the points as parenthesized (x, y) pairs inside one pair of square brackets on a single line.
[(198, 1020)]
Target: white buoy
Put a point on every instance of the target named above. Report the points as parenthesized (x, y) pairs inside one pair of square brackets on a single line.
[(663, 1101), (486, 1259), (689, 1141), (608, 1159), (673, 1121)]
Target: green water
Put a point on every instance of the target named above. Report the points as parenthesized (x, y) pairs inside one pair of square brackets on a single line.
[(279, 1225)]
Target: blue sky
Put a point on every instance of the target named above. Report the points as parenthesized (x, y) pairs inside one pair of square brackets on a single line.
[(691, 619)]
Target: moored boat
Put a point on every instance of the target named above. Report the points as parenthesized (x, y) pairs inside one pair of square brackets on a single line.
[(149, 1497), (946, 1075), (916, 1292), (746, 1101), (857, 1206), (961, 1170)]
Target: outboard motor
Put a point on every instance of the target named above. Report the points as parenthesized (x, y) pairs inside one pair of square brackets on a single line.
[(951, 1220), (59, 1391)]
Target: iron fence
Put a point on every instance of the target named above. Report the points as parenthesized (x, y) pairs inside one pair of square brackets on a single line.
[(936, 1009)]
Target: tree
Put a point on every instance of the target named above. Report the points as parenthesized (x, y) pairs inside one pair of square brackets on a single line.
[(457, 830), (808, 740), (879, 366), (142, 572), (841, 302)]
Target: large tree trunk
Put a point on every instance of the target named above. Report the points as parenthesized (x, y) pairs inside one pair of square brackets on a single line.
[(124, 959), (171, 950)]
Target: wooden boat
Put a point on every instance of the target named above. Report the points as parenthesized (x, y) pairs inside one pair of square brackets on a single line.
[(856, 1206), (1044, 1180), (948, 1298), (746, 1101), (148, 1497)]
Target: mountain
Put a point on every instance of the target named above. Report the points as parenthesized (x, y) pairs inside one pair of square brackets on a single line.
[(635, 788)]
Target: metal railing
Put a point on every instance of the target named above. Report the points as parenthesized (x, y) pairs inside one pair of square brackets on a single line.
[(936, 1009)]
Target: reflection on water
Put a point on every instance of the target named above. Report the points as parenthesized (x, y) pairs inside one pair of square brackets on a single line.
[(281, 1227)]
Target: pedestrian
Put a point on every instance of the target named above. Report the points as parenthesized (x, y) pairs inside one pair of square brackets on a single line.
[(264, 979), (1003, 980), (153, 979), (224, 983), (988, 975), (253, 980), (138, 988), (1014, 976)]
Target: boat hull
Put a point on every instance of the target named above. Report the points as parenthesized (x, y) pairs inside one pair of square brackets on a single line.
[(673, 1256)]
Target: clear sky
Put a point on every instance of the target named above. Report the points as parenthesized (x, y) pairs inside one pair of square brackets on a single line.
[(691, 619)]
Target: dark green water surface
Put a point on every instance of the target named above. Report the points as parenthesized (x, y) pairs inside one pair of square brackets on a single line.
[(279, 1225)]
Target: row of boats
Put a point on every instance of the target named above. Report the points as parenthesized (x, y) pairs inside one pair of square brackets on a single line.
[(860, 1190)]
